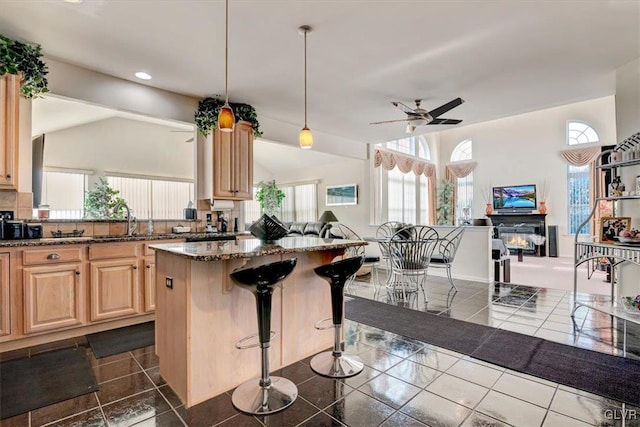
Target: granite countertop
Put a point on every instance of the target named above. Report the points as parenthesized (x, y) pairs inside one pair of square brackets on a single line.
[(107, 239), (248, 248)]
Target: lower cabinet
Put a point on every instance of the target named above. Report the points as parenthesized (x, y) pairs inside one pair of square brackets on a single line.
[(149, 284), (115, 287), (53, 297), (5, 301)]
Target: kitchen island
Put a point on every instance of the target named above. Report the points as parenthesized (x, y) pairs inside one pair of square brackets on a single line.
[(200, 314)]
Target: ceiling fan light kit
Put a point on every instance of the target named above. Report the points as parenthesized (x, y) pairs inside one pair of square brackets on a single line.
[(306, 137), (226, 119)]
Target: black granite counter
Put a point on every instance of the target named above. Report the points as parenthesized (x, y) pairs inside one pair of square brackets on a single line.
[(249, 248)]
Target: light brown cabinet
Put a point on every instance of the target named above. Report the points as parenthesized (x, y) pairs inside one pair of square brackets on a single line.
[(149, 284), (233, 163), (5, 301), (53, 297), (9, 130), (114, 288)]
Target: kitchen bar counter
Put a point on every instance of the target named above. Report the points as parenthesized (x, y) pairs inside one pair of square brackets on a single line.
[(200, 314)]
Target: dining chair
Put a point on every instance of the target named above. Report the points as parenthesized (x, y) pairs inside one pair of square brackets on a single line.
[(384, 233), (445, 251), (341, 231), (410, 250)]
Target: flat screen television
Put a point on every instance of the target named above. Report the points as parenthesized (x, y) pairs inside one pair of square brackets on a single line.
[(514, 198)]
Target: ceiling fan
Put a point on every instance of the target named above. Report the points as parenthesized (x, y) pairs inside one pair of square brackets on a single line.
[(419, 116)]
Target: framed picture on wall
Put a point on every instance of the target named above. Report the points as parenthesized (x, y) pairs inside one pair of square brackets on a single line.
[(338, 195), (612, 226)]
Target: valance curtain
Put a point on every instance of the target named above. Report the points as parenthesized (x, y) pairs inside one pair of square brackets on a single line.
[(405, 163), (452, 172), (581, 156)]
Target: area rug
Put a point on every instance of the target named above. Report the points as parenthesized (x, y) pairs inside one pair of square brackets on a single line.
[(120, 340), (599, 373), (44, 379)]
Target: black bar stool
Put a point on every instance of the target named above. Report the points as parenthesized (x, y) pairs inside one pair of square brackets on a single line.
[(268, 394), (335, 364)]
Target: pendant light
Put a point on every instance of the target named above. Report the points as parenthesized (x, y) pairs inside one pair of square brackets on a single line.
[(226, 119), (306, 138)]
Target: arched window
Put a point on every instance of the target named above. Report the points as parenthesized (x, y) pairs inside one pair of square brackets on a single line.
[(403, 196), (578, 178), (464, 186)]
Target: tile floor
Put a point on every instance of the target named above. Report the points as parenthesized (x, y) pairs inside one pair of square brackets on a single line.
[(405, 382)]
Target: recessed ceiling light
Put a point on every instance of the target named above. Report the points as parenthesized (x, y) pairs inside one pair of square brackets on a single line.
[(74, 1), (142, 75)]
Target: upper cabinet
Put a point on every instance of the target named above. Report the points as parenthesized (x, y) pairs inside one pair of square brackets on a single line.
[(233, 163), (9, 125)]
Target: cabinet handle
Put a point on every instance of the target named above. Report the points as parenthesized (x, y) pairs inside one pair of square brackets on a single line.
[(149, 265), (135, 267), (78, 273), (53, 256), (8, 176)]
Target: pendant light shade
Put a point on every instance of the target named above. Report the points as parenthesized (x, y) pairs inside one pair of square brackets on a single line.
[(226, 118), (306, 138)]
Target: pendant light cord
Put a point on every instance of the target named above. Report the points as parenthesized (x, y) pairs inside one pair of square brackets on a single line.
[(305, 78), (226, 53)]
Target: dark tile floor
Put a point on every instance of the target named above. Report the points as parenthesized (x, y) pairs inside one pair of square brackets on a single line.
[(405, 382)]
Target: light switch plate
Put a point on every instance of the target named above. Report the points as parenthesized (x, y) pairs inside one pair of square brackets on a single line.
[(168, 281)]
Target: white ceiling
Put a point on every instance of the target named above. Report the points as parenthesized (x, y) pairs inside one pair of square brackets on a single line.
[(502, 57)]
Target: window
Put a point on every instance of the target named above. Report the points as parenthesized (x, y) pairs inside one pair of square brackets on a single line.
[(64, 192), (579, 178), (300, 204), (403, 197), (464, 186), (158, 198)]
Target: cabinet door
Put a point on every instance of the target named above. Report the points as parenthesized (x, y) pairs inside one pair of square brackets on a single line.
[(52, 297), (5, 302), (149, 285), (223, 186), (9, 126), (114, 288), (243, 161)]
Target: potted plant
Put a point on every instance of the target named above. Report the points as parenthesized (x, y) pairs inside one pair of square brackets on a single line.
[(206, 116), (270, 197), (100, 202), (25, 60), (445, 202)]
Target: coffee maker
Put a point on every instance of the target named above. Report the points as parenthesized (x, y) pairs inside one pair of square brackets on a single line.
[(222, 223)]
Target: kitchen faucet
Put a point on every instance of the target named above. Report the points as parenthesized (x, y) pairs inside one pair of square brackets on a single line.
[(132, 223)]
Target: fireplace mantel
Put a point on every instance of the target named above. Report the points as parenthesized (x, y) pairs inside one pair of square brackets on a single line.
[(529, 223)]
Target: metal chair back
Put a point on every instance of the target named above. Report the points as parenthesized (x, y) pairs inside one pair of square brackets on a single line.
[(411, 249), (449, 243)]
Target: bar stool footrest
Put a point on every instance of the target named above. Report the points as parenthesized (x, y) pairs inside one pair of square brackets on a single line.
[(318, 324), (343, 366), (250, 398), (240, 346)]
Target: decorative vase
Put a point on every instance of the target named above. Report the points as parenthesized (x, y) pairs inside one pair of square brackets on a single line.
[(489, 209), (542, 208)]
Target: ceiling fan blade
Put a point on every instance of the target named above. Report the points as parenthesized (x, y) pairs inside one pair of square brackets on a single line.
[(403, 107), (446, 107), (444, 122), (389, 121)]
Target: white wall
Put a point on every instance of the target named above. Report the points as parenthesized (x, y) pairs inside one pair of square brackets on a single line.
[(524, 149), (121, 145)]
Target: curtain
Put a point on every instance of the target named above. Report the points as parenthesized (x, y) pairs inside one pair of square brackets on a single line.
[(452, 172), (432, 215), (580, 156)]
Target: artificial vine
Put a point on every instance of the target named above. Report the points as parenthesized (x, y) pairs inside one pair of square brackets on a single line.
[(20, 58), (206, 116)]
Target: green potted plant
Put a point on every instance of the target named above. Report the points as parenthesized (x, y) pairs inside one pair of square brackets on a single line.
[(445, 202), (206, 116), (99, 203), (270, 197), (25, 60)]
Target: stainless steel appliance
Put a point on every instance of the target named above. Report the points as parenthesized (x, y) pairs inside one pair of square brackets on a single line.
[(33, 231), (13, 230)]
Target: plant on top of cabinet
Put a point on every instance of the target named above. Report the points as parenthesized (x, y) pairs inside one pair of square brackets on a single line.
[(100, 202), (23, 58), (206, 116)]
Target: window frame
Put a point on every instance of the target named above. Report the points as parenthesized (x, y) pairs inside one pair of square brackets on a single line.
[(571, 175)]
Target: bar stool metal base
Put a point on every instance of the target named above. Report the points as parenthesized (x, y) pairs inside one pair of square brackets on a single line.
[(253, 399), (344, 366)]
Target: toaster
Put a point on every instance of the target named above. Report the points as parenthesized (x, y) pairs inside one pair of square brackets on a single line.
[(32, 231), (13, 230)]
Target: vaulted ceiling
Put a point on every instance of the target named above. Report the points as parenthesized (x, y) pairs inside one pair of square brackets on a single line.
[(502, 57)]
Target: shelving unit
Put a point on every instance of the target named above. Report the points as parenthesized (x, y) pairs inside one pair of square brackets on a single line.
[(616, 253)]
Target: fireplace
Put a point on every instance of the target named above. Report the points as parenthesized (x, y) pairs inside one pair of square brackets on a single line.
[(526, 232)]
